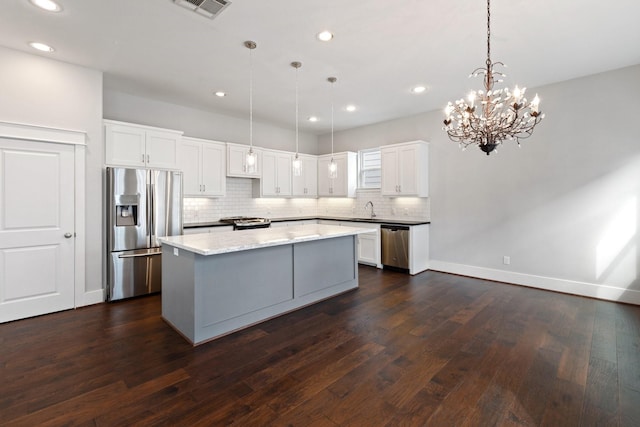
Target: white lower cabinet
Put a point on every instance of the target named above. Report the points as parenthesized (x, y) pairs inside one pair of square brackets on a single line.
[(369, 248), (418, 248), (368, 243)]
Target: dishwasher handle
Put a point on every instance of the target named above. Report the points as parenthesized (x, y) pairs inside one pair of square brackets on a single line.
[(395, 227)]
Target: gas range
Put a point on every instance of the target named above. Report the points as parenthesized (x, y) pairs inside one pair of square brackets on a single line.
[(246, 223)]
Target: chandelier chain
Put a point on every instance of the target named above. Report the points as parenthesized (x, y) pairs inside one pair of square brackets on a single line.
[(488, 32)]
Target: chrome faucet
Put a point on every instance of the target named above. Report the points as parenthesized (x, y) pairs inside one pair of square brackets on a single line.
[(373, 214)]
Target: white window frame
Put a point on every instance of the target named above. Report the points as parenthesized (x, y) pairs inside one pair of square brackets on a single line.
[(363, 168)]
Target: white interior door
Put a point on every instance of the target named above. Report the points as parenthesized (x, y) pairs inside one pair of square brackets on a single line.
[(36, 228)]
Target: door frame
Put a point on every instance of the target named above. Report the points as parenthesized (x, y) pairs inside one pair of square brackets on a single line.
[(79, 140)]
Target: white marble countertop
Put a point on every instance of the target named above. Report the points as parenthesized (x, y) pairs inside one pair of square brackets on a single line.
[(235, 241)]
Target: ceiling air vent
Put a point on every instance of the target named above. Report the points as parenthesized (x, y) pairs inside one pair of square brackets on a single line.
[(208, 8)]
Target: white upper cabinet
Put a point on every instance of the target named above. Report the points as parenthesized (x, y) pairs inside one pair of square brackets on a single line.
[(237, 161), (275, 180), (306, 185), (203, 164), (405, 169), (134, 145), (344, 185)]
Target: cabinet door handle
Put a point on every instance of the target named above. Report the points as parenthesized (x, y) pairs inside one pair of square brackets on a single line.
[(147, 158), (204, 187), (143, 158), (399, 189)]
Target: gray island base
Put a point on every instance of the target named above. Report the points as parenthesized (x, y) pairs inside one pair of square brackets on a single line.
[(215, 284)]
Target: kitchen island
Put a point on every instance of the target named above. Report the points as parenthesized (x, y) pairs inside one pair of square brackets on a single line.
[(214, 284)]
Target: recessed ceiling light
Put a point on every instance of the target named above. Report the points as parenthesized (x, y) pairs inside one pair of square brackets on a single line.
[(350, 108), (221, 94), (48, 5), (41, 47), (325, 36), (313, 119), (418, 89)]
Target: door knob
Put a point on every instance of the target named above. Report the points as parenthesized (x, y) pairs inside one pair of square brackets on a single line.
[(68, 235)]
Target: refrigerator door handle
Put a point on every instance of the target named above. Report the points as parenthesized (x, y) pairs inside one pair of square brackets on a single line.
[(140, 255), (152, 225)]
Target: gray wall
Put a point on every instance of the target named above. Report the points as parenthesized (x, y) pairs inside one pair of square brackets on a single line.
[(202, 124), (43, 92), (565, 207)]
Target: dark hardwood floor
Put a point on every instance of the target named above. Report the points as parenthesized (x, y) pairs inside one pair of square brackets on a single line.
[(433, 349)]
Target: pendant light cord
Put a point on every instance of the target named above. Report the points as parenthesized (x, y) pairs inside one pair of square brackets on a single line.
[(332, 91), (297, 112), (250, 99)]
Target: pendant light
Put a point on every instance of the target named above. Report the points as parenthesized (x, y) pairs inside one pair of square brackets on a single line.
[(251, 159), (296, 164), (333, 166)]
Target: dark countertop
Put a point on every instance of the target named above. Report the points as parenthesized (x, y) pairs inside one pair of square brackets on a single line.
[(332, 218)]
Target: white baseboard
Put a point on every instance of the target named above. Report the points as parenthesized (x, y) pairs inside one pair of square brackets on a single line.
[(591, 290), (91, 297)]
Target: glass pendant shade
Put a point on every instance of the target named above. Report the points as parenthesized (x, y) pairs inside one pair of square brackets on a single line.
[(333, 166), (296, 166), (251, 161), (333, 169)]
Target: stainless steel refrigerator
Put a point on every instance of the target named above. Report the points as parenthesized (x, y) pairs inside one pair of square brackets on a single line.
[(142, 206)]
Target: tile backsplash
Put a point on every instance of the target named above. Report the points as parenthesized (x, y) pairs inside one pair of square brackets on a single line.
[(239, 201)]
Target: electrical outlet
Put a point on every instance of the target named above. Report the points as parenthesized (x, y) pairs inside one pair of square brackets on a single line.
[(176, 252), (506, 260)]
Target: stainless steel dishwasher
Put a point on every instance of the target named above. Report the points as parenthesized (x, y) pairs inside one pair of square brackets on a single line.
[(395, 246)]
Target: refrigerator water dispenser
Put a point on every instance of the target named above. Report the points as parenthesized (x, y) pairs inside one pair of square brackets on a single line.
[(127, 210)]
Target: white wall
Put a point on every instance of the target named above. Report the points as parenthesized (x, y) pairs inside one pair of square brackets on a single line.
[(202, 124), (43, 92), (565, 207)]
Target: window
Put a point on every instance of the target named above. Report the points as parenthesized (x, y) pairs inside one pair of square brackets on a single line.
[(369, 171)]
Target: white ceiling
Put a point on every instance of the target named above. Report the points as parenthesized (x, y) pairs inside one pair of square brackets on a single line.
[(381, 49)]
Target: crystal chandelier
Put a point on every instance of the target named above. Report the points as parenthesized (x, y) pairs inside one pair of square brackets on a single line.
[(489, 117)]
